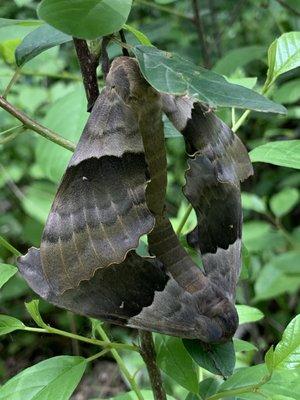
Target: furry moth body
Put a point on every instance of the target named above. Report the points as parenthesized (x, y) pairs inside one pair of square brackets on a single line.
[(113, 192)]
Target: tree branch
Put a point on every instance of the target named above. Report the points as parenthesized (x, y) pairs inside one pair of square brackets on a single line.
[(88, 64), (200, 30), (35, 126), (149, 356)]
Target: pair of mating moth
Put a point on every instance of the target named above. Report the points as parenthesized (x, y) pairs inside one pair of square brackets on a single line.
[(113, 192)]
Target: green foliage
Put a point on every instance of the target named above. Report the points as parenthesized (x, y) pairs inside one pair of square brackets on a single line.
[(172, 74), (283, 202), (87, 19), (218, 359), (285, 153), (37, 41), (175, 361), (287, 352), (9, 324), (7, 271), (48, 88), (283, 55), (248, 314), (55, 377)]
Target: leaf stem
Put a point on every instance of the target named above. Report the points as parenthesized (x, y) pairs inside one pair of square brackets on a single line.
[(97, 355), (121, 364), (184, 219), (106, 344), (9, 247), (11, 82), (35, 126)]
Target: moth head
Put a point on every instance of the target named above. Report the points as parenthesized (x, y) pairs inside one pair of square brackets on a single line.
[(125, 78), (217, 319)]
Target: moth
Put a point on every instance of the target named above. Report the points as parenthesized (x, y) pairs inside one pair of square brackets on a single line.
[(113, 192)]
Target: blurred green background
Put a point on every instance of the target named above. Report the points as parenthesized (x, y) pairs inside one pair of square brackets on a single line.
[(49, 88)]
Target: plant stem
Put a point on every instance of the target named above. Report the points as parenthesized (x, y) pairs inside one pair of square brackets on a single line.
[(149, 357), (88, 64), (245, 114), (35, 126), (97, 355), (245, 389), (11, 82), (164, 9), (13, 133), (9, 247), (240, 121), (121, 365), (184, 219), (106, 344), (200, 30)]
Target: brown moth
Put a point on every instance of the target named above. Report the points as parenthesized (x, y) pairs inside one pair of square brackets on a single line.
[(113, 192)]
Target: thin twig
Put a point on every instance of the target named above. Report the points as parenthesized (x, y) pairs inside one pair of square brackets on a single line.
[(215, 25), (11, 82), (123, 39), (200, 30), (35, 126), (121, 365), (149, 357), (288, 7), (88, 64), (165, 9)]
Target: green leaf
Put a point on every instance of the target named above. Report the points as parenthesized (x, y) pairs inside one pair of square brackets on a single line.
[(269, 359), (141, 37), (9, 324), (285, 153), (175, 361), (67, 116), (247, 82), (237, 58), (248, 314), (283, 55), (37, 41), (87, 19), (21, 22), (242, 345), (288, 262), (33, 309), (251, 201), (244, 377), (283, 202), (147, 395), (273, 281), (287, 352), (38, 199), (7, 271), (288, 93), (55, 378), (170, 73), (218, 359), (207, 388)]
